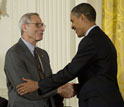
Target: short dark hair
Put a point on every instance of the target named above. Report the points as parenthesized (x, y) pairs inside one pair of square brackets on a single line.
[(85, 9)]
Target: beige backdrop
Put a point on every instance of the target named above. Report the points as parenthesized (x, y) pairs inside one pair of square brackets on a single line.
[(59, 40)]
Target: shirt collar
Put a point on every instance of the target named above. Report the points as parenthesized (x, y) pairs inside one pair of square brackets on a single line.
[(29, 45), (90, 30)]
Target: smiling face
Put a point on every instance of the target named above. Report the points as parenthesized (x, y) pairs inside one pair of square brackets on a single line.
[(33, 31), (78, 24)]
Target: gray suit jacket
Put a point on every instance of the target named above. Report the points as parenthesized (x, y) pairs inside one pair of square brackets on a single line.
[(19, 62)]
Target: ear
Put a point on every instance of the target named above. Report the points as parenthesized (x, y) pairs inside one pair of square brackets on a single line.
[(24, 27), (82, 16)]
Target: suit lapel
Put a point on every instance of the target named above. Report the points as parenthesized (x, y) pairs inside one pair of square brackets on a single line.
[(32, 59), (27, 52)]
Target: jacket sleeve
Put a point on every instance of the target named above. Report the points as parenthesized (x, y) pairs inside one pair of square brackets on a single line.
[(85, 54)]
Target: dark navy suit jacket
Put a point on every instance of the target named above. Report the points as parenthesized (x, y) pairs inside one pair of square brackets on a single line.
[(95, 65)]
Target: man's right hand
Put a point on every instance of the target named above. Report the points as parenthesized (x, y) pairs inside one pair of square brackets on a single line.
[(67, 90)]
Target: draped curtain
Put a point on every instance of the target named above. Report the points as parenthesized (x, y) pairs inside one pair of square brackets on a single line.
[(113, 25)]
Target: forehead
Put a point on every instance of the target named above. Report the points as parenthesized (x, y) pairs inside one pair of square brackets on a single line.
[(73, 17), (35, 18)]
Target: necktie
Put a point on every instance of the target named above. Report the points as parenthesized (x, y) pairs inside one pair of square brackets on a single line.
[(38, 63)]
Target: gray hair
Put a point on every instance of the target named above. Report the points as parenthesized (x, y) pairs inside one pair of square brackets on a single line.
[(26, 18)]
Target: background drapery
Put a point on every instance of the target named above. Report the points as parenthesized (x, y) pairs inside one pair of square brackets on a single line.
[(113, 25)]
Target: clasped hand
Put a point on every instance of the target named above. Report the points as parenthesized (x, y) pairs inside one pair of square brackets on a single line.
[(67, 90)]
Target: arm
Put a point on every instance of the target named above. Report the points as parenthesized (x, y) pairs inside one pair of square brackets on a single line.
[(85, 55)]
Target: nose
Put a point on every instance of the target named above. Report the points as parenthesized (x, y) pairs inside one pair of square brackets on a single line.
[(42, 28), (72, 26)]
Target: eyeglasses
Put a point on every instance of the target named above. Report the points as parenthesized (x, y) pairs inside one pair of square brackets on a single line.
[(38, 25)]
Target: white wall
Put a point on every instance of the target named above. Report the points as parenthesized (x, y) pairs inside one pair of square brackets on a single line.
[(59, 40)]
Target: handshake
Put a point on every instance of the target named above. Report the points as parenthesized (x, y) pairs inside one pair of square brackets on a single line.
[(68, 90)]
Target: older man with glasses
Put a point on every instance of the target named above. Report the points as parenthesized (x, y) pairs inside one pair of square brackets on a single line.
[(22, 61)]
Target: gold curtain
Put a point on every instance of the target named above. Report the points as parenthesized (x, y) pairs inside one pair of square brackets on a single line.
[(113, 25)]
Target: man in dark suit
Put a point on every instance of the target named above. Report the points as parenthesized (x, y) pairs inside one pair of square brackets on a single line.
[(95, 65), (20, 62)]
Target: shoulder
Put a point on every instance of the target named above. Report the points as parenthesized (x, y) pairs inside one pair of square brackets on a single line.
[(16, 48), (87, 47), (86, 42)]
